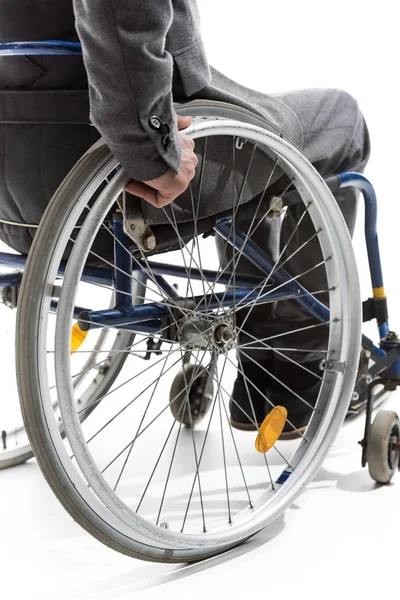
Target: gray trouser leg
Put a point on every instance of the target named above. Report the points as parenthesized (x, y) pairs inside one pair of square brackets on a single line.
[(335, 139)]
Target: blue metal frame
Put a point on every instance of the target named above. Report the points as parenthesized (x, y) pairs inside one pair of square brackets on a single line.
[(265, 264), (150, 318), (360, 182), (45, 48)]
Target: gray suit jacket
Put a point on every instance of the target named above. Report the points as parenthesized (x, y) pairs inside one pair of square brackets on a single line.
[(129, 50), (139, 56)]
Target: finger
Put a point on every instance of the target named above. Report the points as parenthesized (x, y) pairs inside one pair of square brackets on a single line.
[(164, 200), (146, 192), (183, 122), (186, 141)]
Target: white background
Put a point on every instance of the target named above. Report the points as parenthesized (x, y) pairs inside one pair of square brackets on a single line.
[(340, 539)]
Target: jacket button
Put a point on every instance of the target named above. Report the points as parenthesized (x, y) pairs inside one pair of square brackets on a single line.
[(155, 123)]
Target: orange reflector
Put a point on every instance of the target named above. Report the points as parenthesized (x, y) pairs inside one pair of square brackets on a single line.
[(77, 337), (271, 428)]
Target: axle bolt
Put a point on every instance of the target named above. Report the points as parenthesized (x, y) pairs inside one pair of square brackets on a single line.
[(222, 335), (149, 242)]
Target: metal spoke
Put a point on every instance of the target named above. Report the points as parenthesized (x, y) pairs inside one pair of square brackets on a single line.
[(249, 232), (235, 208), (181, 244), (278, 380), (114, 266), (152, 421), (157, 381), (303, 214), (138, 433), (263, 295), (116, 352), (278, 259), (170, 466), (182, 247), (148, 272), (277, 267), (265, 299), (236, 451), (276, 349), (195, 232), (159, 458), (123, 409), (254, 416), (194, 445), (200, 458), (198, 207), (292, 279), (272, 337), (223, 452), (257, 389), (267, 347), (123, 384)]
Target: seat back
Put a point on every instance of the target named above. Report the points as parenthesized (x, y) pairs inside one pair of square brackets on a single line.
[(44, 129)]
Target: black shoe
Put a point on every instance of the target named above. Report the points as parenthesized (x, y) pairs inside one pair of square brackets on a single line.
[(299, 413), (242, 410), (305, 385), (267, 393)]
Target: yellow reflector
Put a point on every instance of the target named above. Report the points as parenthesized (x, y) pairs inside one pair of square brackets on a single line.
[(77, 337), (271, 428)]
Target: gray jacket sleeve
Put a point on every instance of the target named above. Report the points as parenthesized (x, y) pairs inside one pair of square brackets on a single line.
[(130, 81)]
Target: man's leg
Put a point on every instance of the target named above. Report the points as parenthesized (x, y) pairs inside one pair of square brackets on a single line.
[(335, 139)]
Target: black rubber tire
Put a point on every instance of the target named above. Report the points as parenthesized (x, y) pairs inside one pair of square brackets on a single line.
[(382, 461)]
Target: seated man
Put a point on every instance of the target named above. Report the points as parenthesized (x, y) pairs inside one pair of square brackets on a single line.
[(139, 57)]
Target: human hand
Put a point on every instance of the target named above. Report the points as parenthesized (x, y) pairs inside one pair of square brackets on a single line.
[(165, 189)]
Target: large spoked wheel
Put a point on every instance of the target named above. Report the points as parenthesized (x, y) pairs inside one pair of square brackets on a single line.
[(98, 363), (132, 474)]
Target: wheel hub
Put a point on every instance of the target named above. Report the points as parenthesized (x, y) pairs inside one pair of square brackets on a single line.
[(204, 333), (223, 334)]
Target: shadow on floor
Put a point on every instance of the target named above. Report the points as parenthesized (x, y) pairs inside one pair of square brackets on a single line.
[(153, 575)]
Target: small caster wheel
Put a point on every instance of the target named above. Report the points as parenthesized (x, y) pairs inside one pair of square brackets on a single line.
[(383, 446), (196, 391)]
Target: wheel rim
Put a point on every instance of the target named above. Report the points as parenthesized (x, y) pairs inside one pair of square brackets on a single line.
[(320, 433)]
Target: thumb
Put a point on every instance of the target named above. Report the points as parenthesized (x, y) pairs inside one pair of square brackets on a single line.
[(183, 122)]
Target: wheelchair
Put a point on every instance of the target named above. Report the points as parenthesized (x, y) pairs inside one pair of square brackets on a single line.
[(146, 458)]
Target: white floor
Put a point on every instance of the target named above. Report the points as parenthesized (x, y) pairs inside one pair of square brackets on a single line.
[(340, 538)]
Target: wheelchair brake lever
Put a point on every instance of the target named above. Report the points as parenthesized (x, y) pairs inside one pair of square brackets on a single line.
[(134, 224)]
